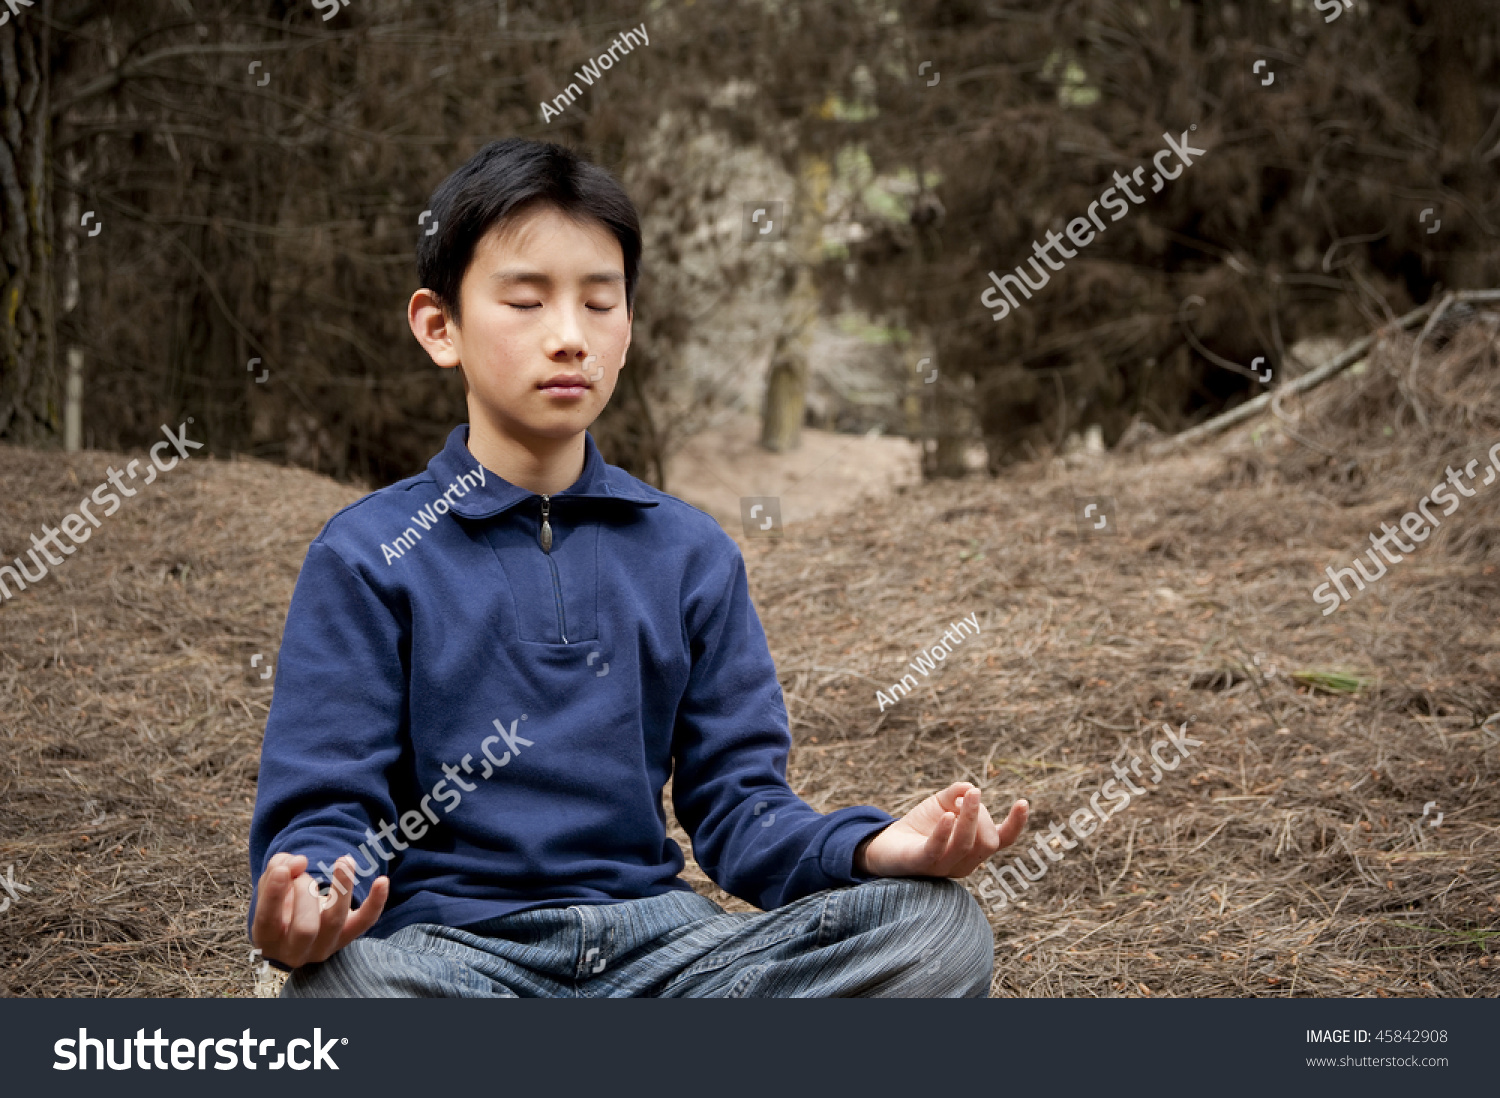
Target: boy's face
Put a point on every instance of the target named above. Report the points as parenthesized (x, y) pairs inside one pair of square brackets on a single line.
[(544, 330)]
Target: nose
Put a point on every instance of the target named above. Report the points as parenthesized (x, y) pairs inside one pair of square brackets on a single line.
[(565, 339)]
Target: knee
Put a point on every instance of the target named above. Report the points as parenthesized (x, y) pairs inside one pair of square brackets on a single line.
[(939, 901), (366, 968), (325, 979), (948, 932), (957, 920)]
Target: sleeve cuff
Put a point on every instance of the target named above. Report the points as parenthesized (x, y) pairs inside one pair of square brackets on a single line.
[(837, 860), (859, 849)]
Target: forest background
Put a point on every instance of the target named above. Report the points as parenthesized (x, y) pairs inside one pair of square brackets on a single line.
[(210, 208)]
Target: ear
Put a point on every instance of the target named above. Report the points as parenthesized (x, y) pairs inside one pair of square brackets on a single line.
[(434, 329)]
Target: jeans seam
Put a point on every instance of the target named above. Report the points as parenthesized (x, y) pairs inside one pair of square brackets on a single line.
[(828, 919), (721, 961), (583, 925), (742, 982), (468, 969)]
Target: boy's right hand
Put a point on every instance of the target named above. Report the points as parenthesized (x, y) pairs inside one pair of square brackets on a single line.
[(295, 925)]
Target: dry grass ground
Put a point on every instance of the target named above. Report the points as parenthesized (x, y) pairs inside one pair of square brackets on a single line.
[(1290, 856)]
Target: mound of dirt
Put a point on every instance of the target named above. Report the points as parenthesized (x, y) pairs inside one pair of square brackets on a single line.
[(1316, 843)]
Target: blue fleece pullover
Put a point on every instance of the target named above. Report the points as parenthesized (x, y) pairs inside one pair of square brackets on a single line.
[(491, 724)]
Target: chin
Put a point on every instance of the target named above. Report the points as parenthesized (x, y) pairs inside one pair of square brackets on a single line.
[(562, 427)]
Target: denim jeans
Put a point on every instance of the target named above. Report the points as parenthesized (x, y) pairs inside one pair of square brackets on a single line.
[(893, 937)]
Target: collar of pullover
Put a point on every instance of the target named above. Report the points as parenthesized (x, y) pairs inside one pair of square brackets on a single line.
[(598, 481)]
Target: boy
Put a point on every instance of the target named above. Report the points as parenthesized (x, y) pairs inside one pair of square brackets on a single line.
[(494, 666)]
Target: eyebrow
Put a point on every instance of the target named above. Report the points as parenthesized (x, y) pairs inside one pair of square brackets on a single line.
[(539, 278)]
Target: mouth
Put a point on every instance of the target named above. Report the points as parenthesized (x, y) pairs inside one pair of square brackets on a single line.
[(566, 385)]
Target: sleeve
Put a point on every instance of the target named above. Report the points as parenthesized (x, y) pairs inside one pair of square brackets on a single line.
[(751, 834), (337, 725)]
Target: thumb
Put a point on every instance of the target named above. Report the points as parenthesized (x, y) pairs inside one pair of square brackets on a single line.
[(1014, 823), (369, 911)]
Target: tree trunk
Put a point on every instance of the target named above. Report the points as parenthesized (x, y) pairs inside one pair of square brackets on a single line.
[(29, 391), (786, 380), (786, 398), (952, 422), (945, 457), (1450, 87), (73, 407), (1449, 76)]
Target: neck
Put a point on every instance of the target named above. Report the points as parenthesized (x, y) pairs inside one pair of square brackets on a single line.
[(543, 466)]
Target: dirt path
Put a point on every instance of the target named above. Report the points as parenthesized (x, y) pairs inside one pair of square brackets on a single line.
[(829, 473)]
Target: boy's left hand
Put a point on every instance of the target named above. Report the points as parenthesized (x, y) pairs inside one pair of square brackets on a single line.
[(947, 835)]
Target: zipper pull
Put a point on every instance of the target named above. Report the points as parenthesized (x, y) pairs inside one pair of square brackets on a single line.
[(546, 536)]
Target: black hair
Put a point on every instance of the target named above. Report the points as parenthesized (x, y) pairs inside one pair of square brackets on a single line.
[(494, 186)]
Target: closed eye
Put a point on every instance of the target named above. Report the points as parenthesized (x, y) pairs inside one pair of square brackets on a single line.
[(538, 305)]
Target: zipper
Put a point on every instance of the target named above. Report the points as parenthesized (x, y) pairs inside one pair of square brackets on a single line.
[(544, 536)]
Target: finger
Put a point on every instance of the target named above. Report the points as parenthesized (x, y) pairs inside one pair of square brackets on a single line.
[(302, 930), (1014, 823), (983, 849), (270, 894), (936, 849), (333, 908), (341, 895), (272, 912), (987, 825), (344, 880), (363, 919), (948, 798), (296, 868), (967, 827)]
